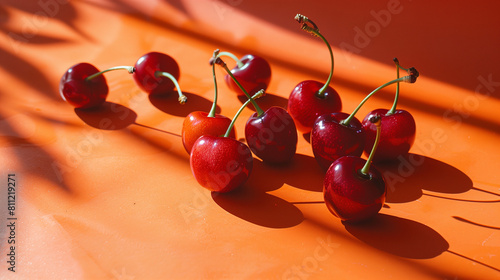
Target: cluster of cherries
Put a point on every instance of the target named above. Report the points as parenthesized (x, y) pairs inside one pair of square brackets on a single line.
[(353, 189)]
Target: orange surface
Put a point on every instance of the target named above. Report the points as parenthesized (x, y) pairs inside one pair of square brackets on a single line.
[(109, 194)]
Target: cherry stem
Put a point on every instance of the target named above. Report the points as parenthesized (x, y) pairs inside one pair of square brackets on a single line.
[(238, 61), (251, 99), (211, 114), (219, 61), (182, 98), (130, 70), (407, 79), (396, 97), (366, 168), (315, 31)]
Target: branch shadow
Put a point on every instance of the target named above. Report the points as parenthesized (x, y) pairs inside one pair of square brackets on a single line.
[(400, 237), (170, 105), (409, 176), (258, 207)]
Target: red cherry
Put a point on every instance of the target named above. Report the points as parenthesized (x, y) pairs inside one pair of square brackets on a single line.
[(157, 73), (399, 128), (272, 136), (306, 105), (81, 92), (311, 99), (351, 196), (198, 123), (354, 190), (253, 72), (331, 140), (220, 164), (398, 134)]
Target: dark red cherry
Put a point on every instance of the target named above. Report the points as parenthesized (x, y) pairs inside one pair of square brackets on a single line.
[(81, 92), (397, 135), (350, 195), (147, 69), (272, 136), (253, 73), (305, 104), (331, 140), (354, 190)]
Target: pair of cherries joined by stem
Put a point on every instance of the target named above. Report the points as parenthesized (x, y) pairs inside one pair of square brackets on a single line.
[(338, 134), (84, 86), (222, 163), (311, 99), (353, 189)]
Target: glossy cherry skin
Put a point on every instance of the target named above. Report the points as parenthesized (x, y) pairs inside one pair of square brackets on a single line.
[(81, 93), (305, 106), (220, 164), (272, 136), (397, 134), (146, 67), (351, 196), (331, 140), (198, 123), (253, 76)]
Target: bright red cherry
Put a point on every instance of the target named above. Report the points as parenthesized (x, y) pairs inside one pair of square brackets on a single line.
[(252, 72), (399, 128), (331, 140), (221, 164), (271, 135), (81, 92), (311, 99), (157, 73), (199, 123), (353, 190)]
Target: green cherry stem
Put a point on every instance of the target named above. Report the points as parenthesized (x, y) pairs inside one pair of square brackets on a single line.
[(234, 57), (366, 168), (315, 31), (250, 100), (182, 98), (407, 79), (211, 114), (219, 61), (396, 97), (130, 70)]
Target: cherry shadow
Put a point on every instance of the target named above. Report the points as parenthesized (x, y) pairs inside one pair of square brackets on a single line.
[(267, 101), (400, 237), (409, 176), (258, 207), (302, 172), (169, 104), (108, 116)]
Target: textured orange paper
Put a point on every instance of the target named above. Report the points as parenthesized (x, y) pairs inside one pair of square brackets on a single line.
[(109, 194)]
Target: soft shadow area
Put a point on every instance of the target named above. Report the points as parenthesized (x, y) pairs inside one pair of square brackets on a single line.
[(400, 237), (267, 101), (259, 208), (169, 104), (406, 178), (108, 116), (302, 172)]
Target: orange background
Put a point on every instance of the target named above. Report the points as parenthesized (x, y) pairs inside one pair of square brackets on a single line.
[(109, 194)]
